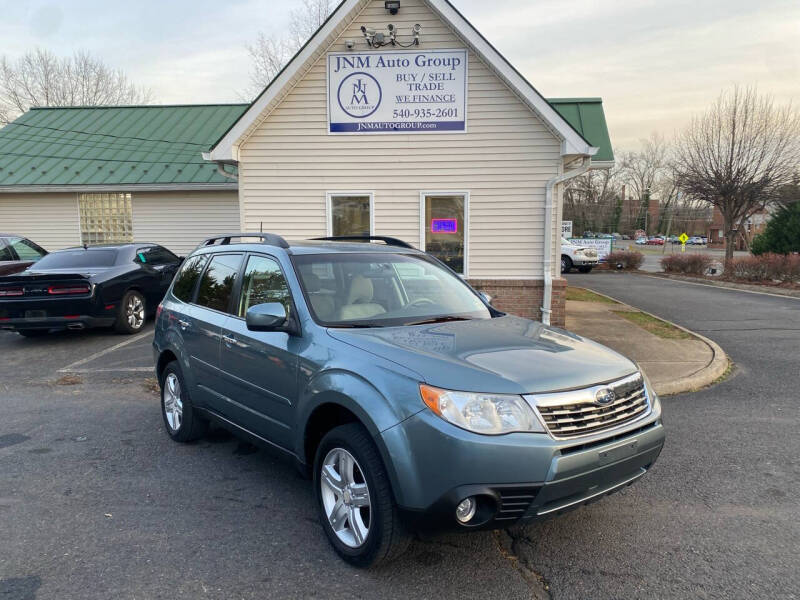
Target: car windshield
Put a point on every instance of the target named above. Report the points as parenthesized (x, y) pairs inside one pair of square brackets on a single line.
[(77, 259), (384, 290)]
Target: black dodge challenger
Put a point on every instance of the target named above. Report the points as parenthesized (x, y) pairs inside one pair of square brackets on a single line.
[(100, 286)]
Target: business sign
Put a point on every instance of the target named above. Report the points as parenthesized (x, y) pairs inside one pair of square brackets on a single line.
[(604, 246), (444, 225), (397, 92), (566, 229)]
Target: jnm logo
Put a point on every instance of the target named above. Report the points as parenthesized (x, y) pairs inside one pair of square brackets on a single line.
[(359, 95)]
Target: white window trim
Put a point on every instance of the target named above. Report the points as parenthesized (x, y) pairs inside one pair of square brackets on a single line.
[(329, 209), (423, 227)]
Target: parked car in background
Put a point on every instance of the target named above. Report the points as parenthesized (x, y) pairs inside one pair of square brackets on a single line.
[(641, 241), (100, 286), (704, 239), (410, 402), (575, 255), (673, 239), (17, 253), (655, 241), (695, 241), (625, 236)]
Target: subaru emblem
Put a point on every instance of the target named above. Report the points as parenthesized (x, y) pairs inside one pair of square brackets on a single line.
[(605, 396)]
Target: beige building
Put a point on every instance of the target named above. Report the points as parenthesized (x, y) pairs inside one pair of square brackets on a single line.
[(412, 125)]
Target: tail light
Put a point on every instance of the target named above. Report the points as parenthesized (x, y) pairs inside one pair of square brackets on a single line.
[(68, 290), (159, 308), (5, 292)]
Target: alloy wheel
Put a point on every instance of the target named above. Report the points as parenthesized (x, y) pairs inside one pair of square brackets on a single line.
[(345, 497), (134, 312), (173, 405)]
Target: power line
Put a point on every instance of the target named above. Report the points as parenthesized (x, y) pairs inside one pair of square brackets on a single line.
[(109, 160), (119, 137), (39, 138)]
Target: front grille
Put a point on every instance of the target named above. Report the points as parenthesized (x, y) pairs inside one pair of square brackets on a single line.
[(578, 413), (514, 502)]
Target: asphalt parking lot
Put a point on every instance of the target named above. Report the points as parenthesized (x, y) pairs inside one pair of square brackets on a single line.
[(97, 502)]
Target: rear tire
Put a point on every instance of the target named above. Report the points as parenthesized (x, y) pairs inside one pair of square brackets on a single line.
[(33, 333), (368, 501), (585, 269), (131, 314), (566, 264), (180, 418)]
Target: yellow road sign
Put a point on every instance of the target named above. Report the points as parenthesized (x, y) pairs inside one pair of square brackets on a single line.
[(683, 238)]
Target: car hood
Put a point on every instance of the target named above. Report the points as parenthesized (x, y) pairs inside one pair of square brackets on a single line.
[(502, 355)]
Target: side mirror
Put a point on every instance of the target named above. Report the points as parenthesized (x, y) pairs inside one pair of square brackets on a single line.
[(486, 297), (266, 317)]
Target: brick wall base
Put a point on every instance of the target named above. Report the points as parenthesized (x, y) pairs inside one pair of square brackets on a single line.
[(523, 297)]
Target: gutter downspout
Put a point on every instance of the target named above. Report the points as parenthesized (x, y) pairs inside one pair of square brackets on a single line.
[(221, 170), (547, 300)]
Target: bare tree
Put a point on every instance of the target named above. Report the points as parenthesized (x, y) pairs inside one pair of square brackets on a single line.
[(643, 172), (269, 54), (739, 155), (593, 201), (40, 78)]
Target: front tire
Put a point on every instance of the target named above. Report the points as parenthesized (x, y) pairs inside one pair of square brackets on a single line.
[(566, 264), (131, 314), (180, 418), (354, 498), (585, 269)]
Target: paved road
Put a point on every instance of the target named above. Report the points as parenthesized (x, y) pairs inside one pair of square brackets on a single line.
[(719, 515), (97, 503)]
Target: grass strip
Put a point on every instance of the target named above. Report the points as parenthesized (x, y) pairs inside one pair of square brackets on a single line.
[(655, 326)]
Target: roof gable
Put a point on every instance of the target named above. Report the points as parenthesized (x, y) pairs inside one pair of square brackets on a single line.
[(587, 117), (226, 148), (114, 145)]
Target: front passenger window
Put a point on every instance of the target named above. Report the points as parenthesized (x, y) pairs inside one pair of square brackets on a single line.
[(263, 283)]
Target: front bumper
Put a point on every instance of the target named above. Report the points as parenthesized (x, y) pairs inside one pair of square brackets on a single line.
[(517, 477), (579, 261)]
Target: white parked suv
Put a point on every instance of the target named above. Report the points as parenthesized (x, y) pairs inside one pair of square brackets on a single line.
[(575, 255)]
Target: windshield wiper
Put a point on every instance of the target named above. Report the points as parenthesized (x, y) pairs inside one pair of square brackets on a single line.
[(444, 319)]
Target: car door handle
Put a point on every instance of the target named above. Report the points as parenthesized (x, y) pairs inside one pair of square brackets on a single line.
[(184, 325), (229, 341)]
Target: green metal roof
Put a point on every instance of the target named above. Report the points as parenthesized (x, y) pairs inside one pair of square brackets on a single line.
[(114, 145), (587, 117)]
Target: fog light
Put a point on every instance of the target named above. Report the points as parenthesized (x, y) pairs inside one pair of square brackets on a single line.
[(466, 509)]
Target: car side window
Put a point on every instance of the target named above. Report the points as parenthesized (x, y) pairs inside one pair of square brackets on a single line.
[(156, 256), (216, 285), (188, 277), (26, 250), (263, 283), (5, 252)]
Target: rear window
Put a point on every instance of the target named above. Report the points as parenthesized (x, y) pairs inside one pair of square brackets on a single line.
[(78, 259)]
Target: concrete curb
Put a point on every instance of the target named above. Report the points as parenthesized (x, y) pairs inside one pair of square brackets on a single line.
[(704, 377)]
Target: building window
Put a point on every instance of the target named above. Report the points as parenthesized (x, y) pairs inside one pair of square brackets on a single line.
[(105, 218), (444, 228), (350, 214)]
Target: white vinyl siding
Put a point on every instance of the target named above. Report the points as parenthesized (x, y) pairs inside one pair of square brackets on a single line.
[(181, 220), (289, 161), (50, 220)]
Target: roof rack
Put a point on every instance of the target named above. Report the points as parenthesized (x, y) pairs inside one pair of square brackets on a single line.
[(270, 239), (389, 241)]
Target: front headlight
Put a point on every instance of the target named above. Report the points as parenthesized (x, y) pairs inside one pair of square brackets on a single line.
[(489, 414), (654, 401)]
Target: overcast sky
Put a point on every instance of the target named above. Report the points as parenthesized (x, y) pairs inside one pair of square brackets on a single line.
[(654, 62)]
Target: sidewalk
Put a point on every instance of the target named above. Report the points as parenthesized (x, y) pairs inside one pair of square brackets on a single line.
[(675, 359)]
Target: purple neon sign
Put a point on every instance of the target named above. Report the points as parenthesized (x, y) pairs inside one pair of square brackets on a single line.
[(444, 225)]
